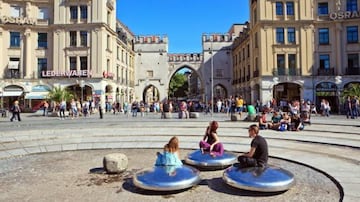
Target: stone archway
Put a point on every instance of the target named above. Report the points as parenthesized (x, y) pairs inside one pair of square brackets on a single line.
[(287, 92), (220, 92), (151, 94), (195, 86)]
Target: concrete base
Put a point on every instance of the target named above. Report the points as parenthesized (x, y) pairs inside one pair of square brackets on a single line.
[(235, 117), (194, 115), (167, 115)]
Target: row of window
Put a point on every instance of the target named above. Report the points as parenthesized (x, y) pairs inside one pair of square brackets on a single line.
[(323, 7), (289, 6), (352, 35), (18, 11), (15, 38), (352, 60), (74, 10)]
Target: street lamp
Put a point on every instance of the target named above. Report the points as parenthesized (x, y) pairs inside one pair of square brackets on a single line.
[(338, 81), (212, 79), (82, 85)]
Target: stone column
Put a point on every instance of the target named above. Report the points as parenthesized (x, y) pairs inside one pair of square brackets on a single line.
[(27, 65)]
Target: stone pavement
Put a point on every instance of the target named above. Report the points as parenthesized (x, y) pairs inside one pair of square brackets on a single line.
[(330, 145)]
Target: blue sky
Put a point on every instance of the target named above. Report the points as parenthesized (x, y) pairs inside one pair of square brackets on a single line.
[(183, 21)]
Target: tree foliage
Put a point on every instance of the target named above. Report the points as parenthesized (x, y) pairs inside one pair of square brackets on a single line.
[(178, 83), (58, 94), (352, 90)]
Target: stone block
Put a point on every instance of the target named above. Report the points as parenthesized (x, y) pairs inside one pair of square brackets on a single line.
[(115, 163), (167, 115), (235, 117), (194, 115)]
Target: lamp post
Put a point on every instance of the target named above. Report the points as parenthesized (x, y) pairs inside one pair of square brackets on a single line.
[(82, 85), (338, 81), (212, 79)]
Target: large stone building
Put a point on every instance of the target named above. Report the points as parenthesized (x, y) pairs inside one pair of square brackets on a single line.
[(78, 45), (291, 50)]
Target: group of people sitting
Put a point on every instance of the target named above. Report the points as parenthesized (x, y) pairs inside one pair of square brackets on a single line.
[(281, 122), (256, 157)]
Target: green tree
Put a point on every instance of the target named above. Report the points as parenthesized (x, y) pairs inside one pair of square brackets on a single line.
[(178, 83), (58, 94), (352, 90)]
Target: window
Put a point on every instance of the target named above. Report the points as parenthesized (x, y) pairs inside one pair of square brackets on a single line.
[(279, 8), (83, 63), (353, 60), (323, 8), (83, 38), (42, 66), (280, 35), (291, 35), (351, 5), (324, 62), (83, 12), (14, 72), (281, 61), (219, 73), (15, 11), (292, 60), (150, 74), (73, 12), (43, 13), (42, 40), (352, 34), (108, 42), (323, 36), (14, 39), (72, 38), (290, 8), (72, 61), (281, 64)]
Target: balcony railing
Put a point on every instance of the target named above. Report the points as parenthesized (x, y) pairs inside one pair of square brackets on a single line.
[(353, 71), (286, 72), (326, 72)]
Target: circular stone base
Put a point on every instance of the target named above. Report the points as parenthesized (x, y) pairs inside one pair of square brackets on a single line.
[(205, 160), (269, 179), (167, 178)]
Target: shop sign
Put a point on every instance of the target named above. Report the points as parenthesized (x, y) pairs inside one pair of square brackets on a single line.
[(108, 75), (17, 20), (326, 87), (340, 15), (70, 73)]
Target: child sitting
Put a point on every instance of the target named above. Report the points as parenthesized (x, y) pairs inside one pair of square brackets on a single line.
[(170, 156)]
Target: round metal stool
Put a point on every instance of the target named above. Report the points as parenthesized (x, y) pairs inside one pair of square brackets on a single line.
[(268, 179), (205, 160), (167, 178)]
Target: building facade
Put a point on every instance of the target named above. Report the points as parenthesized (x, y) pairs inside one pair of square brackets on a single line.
[(77, 45), (292, 50)]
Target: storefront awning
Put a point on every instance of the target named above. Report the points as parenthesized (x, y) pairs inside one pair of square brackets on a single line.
[(11, 93), (13, 65), (36, 95)]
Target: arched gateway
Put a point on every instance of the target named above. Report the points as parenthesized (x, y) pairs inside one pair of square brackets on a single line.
[(210, 69)]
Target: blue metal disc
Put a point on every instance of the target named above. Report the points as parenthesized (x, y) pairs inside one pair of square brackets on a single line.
[(197, 158), (167, 178), (269, 179)]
